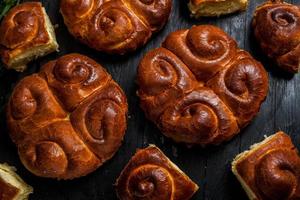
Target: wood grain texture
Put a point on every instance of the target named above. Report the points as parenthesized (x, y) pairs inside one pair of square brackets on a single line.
[(210, 167)]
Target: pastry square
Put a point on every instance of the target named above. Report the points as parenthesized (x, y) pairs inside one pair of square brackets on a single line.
[(270, 169), (209, 8), (151, 175), (26, 33), (12, 187)]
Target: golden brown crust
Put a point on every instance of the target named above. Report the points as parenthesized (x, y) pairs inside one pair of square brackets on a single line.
[(115, 26), (151, 175), (67, 120), (272, 169), (282, 40), (210, 8), (192, 85), (23, 28), (198, 2)]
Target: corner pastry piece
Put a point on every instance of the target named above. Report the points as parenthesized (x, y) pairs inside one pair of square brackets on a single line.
[(26, 33), (277, 29), (12, 187), (68, 119), (209, 8), (151, 175), (115, 26), (270, 170), (200, 88)]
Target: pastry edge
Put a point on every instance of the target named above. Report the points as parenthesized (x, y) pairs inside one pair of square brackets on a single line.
[(24, 189), (195, 9)]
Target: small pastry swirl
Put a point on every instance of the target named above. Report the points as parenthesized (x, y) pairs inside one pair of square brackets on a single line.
[(162, 77), (278, 174), (199, 88), (115, 26), (68, 119), (243, 82), (73, 78), (23, 25), (202, 115), (26, 33), (270, 169), (150, 181), (151, 175), (204, 49), (282, 40)]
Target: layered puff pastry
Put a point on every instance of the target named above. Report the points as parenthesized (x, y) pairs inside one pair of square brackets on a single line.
[(199, 88), (115, 26), (270, 170), (277, 29), (151, 175), (68, 119), (26, 33), (12, 187), (210, 8)]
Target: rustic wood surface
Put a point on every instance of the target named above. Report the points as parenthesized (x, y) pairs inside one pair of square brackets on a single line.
[(210, 167)]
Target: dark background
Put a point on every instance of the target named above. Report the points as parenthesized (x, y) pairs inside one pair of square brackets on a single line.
[(210, 167)]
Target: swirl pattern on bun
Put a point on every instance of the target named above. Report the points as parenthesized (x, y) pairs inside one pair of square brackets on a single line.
[(68, 119), (115, 26), (200, 88), (151, 175), (270, 169), (282, 40), (26, 33)]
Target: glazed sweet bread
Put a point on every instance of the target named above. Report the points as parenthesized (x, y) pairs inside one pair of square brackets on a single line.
[(26, 33), (200, 88), (12, 187), (270, 169), (151, 175), (68, 119), (115, 26), (282, 40), (209, 8)]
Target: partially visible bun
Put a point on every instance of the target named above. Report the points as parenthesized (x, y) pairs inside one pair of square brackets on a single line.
[(12, 187), (209, 8), (277, 29), (270, 169), (26, 33), (115, 26)]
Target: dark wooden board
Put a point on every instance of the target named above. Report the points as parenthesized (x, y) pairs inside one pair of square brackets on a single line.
[(210, 167)]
